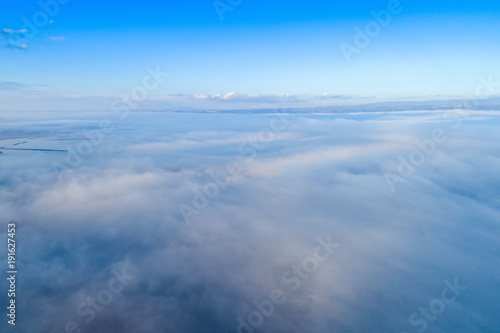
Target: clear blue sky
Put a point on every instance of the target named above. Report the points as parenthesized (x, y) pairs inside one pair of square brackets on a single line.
[(100, 49)]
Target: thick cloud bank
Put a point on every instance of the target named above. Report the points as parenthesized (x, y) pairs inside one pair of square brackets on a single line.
[(159, 222)]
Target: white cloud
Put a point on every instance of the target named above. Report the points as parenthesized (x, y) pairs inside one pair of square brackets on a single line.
[(57, 38), (320, 176), (14, 32), (230, 95), (17, 46)]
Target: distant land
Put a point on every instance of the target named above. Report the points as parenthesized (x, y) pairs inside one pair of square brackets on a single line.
[(489, 104)]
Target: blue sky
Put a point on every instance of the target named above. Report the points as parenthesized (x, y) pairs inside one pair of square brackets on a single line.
[(93, 51)]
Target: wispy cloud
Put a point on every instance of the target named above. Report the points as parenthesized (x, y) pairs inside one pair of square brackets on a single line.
[(7, 32), (57, 38), (333, 96), (16, 38), (20, 46), (18, 86), (233, 97)]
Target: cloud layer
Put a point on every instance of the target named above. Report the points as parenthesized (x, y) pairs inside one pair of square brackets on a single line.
[(298, 178)]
